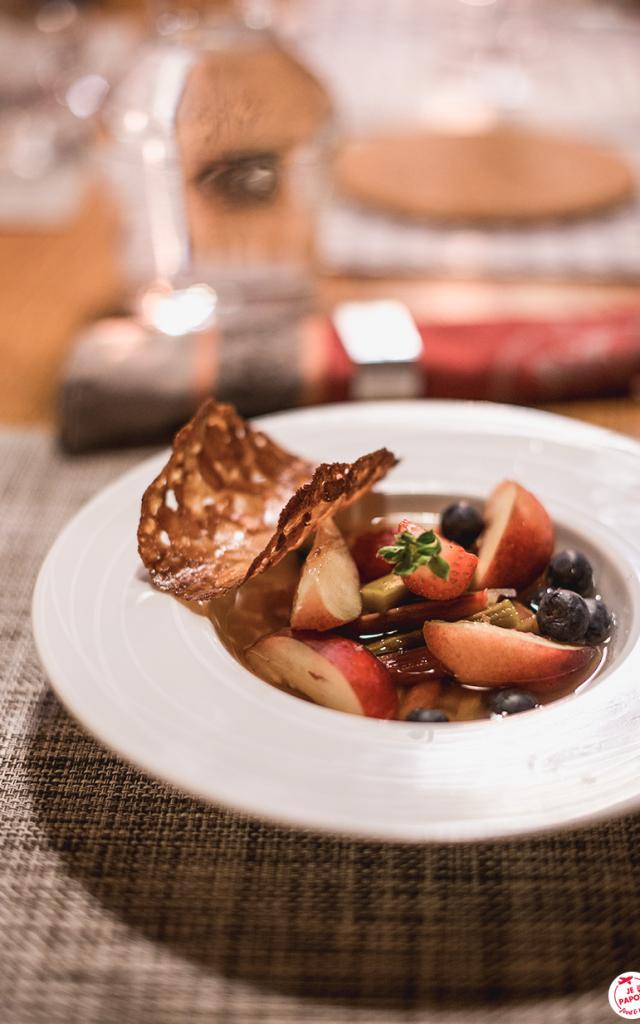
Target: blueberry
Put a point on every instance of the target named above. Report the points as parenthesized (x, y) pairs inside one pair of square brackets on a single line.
[(571, 571), (534, 602), (600, 621), (461, 523), (427, 715), (563, 616), (511, 701)]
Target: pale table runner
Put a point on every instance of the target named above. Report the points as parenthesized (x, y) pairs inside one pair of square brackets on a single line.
[(123, 902)]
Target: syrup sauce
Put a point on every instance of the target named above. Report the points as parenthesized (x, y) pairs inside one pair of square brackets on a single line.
[(263, 605)]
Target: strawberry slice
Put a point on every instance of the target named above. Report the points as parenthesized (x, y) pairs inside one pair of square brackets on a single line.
[(429, 565)]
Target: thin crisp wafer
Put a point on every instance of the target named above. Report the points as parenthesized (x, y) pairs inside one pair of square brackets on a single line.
[(230, 503)]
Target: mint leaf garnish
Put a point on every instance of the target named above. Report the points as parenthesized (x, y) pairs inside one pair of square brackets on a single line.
[(410, 553)]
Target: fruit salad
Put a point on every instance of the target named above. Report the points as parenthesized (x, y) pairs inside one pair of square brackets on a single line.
[(474, 615)]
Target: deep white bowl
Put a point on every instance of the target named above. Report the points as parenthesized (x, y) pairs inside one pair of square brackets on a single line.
[(153, 681)]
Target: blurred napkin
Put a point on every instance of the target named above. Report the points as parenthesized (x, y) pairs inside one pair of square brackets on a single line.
[(124, 384)]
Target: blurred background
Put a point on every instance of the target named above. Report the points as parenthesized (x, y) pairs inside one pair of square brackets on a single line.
[(283, 202)]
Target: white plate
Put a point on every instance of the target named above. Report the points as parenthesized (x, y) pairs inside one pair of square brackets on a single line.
[(152, 680)]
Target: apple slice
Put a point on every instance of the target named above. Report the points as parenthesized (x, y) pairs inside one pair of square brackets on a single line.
[(332, 670), (328, 592), (476, 652), (518, 540)]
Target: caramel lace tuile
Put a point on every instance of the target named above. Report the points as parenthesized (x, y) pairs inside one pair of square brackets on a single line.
[(230, 503)]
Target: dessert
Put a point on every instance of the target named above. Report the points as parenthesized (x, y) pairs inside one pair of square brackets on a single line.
[(470, 614)]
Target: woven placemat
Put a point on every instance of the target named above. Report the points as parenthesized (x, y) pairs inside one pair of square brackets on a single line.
[(124, 902)]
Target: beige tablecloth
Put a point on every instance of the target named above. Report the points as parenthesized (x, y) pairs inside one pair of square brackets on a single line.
[(123, 902)]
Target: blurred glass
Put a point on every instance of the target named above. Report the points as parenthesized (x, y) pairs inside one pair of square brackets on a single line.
[(41, 141), (57, 61), (216, 142)]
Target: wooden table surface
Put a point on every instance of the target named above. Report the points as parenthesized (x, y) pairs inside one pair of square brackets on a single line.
[(50, 283)]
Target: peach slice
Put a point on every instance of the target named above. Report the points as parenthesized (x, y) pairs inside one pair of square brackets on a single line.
[(476, 652), (328, 592), (518, 540), (331, 670)]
